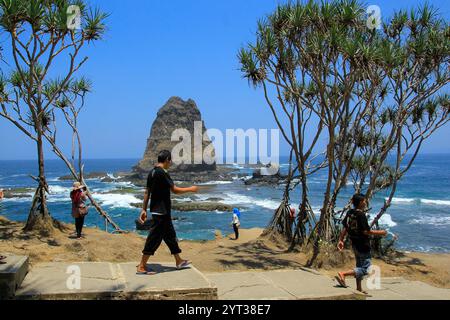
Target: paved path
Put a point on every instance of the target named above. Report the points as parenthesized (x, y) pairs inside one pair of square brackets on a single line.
[(92, 280), (402, 289), (102, 280), (279, 285)]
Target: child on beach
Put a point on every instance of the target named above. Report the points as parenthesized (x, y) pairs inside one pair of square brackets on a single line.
[(357, 227), (236, 222), (159, 186)]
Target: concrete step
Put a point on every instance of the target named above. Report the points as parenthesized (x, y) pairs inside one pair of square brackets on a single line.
[(103, 280), (403, 289), (302, 284), (12, 275)]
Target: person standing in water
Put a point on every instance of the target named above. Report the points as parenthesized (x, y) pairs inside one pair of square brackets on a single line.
[(159, 187), (236, 223), (357, 227), (79, 208)]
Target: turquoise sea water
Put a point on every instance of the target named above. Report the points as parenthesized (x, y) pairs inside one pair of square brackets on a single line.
[(420, 214)]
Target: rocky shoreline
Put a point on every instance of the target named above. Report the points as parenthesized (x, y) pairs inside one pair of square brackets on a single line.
[(137, 181)]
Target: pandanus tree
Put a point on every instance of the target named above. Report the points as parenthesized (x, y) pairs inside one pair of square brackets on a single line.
[(372, 95), (45, 42)]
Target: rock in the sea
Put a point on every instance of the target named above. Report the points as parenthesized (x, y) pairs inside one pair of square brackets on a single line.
[(201, 206), (18, 193), (195, 206), (87, 176), (259, 179), (175, 114)]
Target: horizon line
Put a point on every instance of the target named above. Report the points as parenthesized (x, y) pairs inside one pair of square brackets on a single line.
[(139, 158)]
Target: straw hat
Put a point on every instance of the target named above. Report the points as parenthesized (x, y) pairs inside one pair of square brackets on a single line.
[(77, 186)]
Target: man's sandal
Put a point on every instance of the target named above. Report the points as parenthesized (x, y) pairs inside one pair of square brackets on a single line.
[(146, 273), (183, 265), (341, 281)]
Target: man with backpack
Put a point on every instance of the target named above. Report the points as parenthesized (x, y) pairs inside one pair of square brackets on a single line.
[(357, 227)]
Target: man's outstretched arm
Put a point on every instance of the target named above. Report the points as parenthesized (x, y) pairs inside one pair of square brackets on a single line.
[(178, 190)]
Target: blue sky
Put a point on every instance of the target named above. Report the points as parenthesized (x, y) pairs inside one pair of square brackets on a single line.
[(156, 49)]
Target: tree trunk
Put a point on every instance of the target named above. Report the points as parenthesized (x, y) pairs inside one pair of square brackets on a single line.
[(39, 218)]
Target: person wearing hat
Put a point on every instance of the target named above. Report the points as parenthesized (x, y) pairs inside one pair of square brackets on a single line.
[(236, 222), (79, 208)]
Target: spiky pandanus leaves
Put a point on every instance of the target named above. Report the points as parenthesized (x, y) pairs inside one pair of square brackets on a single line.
[(323, 55), (40, 31)]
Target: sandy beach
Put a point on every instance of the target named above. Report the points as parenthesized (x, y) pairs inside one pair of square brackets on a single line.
[(250, 252)]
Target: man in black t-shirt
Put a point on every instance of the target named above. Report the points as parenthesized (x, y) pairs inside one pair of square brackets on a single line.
[(159, 186), (357, 227)]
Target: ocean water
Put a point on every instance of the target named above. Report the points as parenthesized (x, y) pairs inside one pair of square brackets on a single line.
[(420, 214)]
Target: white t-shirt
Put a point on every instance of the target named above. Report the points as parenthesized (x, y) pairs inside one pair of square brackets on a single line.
[(236, 219)]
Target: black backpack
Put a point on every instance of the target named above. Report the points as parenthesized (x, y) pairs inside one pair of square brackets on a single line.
[(352, 225)]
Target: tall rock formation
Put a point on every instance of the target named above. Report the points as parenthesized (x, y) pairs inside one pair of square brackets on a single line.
[(175, 114)]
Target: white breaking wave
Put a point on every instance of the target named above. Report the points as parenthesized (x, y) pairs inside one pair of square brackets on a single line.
[(183, 199), (386, 220), (422, 201), (402, 200), (117, 200), (234, 198), (242, 178), (214, 183), (17, 200), (235, 166), (59, 193), (122, 184), (436, 202), (111, 176), (59, 190), (434, 221)]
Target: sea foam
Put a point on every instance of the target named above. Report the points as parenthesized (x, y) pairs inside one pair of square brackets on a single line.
[(436, 202), (434, 221), (214, 183), (116, 200), (402, 200), (421, 201), (386, 220), (234, 198)]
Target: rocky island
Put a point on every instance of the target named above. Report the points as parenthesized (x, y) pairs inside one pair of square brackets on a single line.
[(179, 114)]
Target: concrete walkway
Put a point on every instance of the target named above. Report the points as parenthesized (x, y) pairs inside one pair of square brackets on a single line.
[(102, 280), (302, 284), (402, 289), (114, 281), (309, 284)]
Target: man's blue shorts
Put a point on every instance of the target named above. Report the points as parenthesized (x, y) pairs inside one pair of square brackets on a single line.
[(363, 263)]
